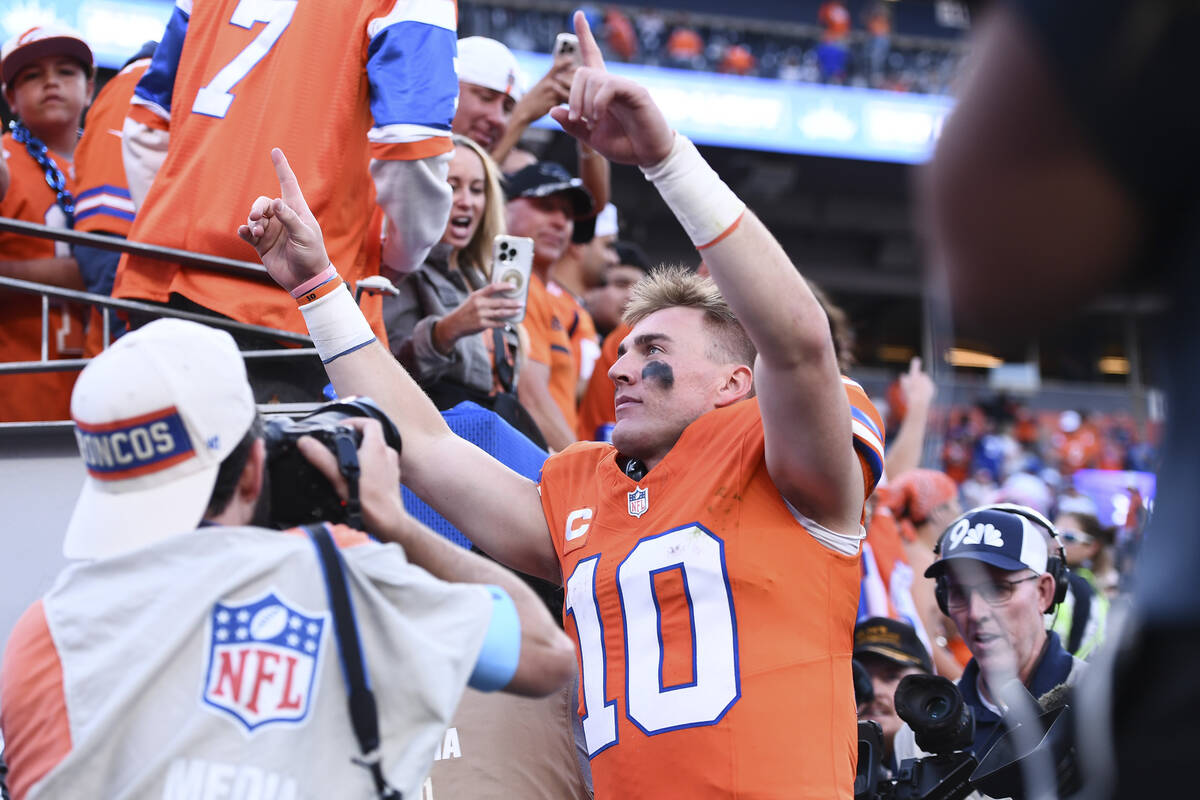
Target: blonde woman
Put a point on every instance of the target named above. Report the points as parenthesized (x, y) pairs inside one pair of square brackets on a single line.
[(447, 322)]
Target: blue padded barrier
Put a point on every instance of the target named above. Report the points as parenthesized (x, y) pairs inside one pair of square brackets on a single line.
[(492, 434)]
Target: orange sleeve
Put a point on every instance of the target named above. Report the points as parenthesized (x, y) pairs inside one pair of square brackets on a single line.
[(538, 315), (37, 733)]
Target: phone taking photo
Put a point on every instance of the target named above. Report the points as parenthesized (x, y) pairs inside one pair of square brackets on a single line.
[(512, 263), (567, 44)]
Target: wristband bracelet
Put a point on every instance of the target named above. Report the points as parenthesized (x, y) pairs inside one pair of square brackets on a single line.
[(336, 324), (705, 206), (325, 275), (325, 288)]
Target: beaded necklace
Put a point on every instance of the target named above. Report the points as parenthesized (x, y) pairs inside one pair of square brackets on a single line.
[(54, 176)]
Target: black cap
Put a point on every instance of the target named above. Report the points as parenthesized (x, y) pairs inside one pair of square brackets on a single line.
[(892, 639), (630, 255), (546, 178)]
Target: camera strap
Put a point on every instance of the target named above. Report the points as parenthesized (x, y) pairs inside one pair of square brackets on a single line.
[(346, 450), (364, 716)]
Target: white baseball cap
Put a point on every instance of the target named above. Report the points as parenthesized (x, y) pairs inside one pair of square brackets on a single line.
[(43, 40), (488, 63), (606, 221), (155, 414)]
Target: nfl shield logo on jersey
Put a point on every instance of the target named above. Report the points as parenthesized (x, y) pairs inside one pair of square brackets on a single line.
[(639, 502), (263, 659)]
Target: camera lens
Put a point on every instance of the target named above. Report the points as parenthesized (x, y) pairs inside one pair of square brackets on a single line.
[(937, 707)]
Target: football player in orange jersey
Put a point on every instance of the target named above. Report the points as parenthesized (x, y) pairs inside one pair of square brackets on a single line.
[(710, 558)]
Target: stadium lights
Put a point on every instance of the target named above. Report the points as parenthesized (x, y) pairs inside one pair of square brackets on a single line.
[(1114, 365), (962, 357), (897, 353)]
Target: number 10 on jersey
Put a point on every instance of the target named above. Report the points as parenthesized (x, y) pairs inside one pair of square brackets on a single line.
[(699, 558)]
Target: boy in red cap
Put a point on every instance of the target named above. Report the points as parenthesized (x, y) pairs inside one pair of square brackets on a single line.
[(47, 74)]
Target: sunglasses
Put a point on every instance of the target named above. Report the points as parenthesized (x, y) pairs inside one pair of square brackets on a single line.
[(994, 593), (1076, 537)]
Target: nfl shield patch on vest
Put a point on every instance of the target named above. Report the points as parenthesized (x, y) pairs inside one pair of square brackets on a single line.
[(639, 502), (263, 659)]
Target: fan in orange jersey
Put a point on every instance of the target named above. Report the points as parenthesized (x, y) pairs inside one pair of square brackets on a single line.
[(543, 202), (710, 554), (47, 79), (352, 92), (102, 201)]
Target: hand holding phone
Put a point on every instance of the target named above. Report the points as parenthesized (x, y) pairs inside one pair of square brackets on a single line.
[(512, 263), (566, 45)]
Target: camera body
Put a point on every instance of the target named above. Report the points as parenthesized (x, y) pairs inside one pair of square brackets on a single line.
[(944, 726), (299, 494)]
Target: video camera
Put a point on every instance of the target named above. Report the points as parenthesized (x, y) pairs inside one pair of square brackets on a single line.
[(299, 493), (945, 727)]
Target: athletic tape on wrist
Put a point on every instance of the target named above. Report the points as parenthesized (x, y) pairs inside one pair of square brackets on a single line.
[(707, 209), (336, 324)]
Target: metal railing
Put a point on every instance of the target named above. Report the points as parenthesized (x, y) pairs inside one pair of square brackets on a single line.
[(108, 305)]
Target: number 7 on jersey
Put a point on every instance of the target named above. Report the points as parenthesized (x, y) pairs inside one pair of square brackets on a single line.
[(214, 99)]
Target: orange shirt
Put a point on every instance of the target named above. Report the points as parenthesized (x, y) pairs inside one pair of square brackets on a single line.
[(35, 396), (550, 344), (714, 631), (581, 330), (597, 414), (333, 85), (102, 202)]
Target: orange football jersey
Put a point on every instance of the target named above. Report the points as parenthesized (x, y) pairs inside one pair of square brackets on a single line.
[(714, 631), (35, 396), (332, 84), (102, 202), (581, 330), (550, 344)]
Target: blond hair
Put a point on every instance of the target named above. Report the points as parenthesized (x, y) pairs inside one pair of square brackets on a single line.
[(478, 251), (677, 286)]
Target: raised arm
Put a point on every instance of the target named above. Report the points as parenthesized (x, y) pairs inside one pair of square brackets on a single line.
[(546, 655), (497, 508), (806, 416), (147, 130)]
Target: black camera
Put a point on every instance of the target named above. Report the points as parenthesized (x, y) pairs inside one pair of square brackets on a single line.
[(945, 727), (299, 493)]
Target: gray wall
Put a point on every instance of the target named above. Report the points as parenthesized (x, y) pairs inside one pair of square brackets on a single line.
[(40, 477)]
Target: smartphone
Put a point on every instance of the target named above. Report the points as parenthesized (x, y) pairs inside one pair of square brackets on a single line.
[(567, 44), (512, 263)]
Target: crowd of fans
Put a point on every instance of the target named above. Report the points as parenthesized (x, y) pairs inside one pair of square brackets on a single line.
[(831, 47)]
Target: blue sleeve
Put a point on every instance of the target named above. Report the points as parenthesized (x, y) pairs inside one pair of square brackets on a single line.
[(157, 85), (410, 68), (501, 645)]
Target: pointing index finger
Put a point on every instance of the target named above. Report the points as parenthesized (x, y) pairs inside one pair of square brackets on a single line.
[(289, 187), (589, 51)]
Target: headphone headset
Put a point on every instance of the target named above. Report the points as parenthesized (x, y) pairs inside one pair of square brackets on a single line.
[(1056, 565)]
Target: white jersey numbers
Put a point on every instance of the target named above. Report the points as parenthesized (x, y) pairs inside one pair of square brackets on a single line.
[(214, 99), (653, 705)]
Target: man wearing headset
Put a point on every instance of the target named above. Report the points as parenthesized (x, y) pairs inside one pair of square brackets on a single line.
[(1000, 571)]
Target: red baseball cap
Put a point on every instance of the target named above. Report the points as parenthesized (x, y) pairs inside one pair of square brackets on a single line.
[(43, 40)]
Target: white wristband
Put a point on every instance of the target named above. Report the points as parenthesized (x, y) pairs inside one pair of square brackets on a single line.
[(337, 325), (705, 207)]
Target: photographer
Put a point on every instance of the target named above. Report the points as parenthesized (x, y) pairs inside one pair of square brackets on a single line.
[(179, 662), (889, 650), (1000, 571)]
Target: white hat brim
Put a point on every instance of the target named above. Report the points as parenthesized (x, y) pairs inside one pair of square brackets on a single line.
[(106, 523)]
